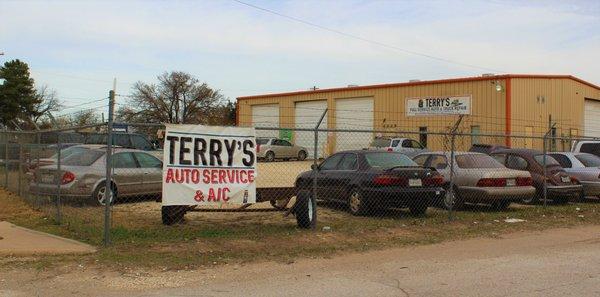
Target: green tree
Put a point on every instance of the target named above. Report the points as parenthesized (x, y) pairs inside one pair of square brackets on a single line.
[(18, 98)]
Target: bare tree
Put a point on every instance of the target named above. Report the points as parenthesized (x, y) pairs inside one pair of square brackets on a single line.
[(46, 101), (177, 98), (84, 117)]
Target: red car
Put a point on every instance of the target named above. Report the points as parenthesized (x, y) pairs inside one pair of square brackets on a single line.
[(560, 185)]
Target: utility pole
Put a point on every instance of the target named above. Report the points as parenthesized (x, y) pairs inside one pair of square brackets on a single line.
[(108, 196)]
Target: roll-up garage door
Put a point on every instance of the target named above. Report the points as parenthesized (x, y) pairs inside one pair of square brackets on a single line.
[(353, 113), (306, 115), (266, 115), (591, 118)]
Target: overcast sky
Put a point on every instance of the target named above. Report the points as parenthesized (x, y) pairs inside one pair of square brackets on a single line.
[(78, 47)]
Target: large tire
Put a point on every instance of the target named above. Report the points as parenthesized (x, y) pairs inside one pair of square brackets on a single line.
[(270, 156), (173, 214), (459, 203), (305, 210), (302, 155), (99, 195), (356, 203), (500, 205)]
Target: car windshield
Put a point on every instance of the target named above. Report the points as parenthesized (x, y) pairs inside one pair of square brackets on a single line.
[(380, 142), (588, 160), (549, 160), (68, 152), (83, 158), (477, 161), (388, 160), (262, 140)]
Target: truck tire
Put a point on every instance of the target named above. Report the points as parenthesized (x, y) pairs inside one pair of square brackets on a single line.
[(173, 214), (305, 210)]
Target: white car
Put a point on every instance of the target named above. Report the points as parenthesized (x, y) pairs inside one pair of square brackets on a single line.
[(587, 146), (406, 146)]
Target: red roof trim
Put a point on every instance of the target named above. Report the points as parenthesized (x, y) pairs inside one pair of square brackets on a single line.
[(425, 82)]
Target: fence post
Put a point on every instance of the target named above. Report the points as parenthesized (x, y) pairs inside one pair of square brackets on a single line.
[(108, 196), (452, 151), (20, 166), (58, 181), (6, 167), (315, 170), (545, 153)]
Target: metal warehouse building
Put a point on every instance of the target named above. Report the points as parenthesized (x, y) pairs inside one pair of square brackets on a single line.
[(499, 104)]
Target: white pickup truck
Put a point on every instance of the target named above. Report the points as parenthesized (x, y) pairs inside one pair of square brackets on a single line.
[(406, 146), (587, 146)]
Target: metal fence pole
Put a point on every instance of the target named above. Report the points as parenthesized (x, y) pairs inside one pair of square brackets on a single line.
[(58, 181), (108, 196), (315, 170), (6, 167), (545, 195), (452, 151), (20, 166)]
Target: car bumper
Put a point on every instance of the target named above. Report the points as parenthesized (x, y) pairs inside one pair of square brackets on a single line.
[(394, 196), (472, 194), (66, 191), (557, 191), (591, 188)]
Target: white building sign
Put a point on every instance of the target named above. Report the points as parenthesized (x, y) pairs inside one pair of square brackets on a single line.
[(444, 105), (209, 165)]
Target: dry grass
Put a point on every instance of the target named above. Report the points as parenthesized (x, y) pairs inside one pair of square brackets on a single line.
[(140, 240)]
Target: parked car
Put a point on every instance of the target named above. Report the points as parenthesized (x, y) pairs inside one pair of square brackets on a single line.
[(560, 186), (126, 140), (66, 149), (406, 146), (366, 179), (587, 146), (584, 167), (82, 175), (486, 148), (269, 149), (479, 178)]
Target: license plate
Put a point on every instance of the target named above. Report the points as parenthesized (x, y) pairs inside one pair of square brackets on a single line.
[(565, 179), (511, 182), (415, 183), (47, 178)]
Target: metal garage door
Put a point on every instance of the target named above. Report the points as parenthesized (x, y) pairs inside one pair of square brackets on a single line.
[(591, 118), (307, 114), (266, 115), (354, 113)]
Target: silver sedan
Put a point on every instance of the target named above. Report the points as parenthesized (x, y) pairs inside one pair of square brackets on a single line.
[(584, 167), (82, 175), (479, 178)]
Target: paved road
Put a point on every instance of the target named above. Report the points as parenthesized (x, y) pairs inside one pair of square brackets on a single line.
[(553, 263), (562, 262)]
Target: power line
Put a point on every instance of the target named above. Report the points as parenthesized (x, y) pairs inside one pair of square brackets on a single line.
[(298, 20), (90, 102)]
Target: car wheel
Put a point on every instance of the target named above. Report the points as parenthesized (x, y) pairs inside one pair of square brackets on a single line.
[(173, 214), (356, 203), (99, 195), (270, 157), (533, 199), (305, 210), (418, 210), (458, 204), (301, 156), (279, 204), (500, 205)]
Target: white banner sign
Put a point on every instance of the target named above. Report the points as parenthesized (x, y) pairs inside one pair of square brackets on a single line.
[(445, 105), (209, 165)]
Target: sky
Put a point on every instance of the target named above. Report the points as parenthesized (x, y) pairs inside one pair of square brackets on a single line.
[(78, 47)]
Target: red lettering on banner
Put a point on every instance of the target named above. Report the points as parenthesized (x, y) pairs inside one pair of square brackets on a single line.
[(214, 175), (211, 195), (225, 194), (199, 196), (251, 176), (206, 176), (169, 177), (221, 176), (243, 177), (195, 176)]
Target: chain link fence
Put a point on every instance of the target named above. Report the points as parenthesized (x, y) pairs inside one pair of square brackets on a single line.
[(394, 176)]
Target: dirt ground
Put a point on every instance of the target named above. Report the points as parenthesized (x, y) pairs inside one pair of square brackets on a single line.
[(557, 262)]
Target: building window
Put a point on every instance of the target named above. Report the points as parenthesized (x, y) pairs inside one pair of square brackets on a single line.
[(423, 136), (475, 138)]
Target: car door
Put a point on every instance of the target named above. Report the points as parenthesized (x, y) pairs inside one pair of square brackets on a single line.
[(288, 148), (326, 176), (152, 172), (344, 175), (127, 174)]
